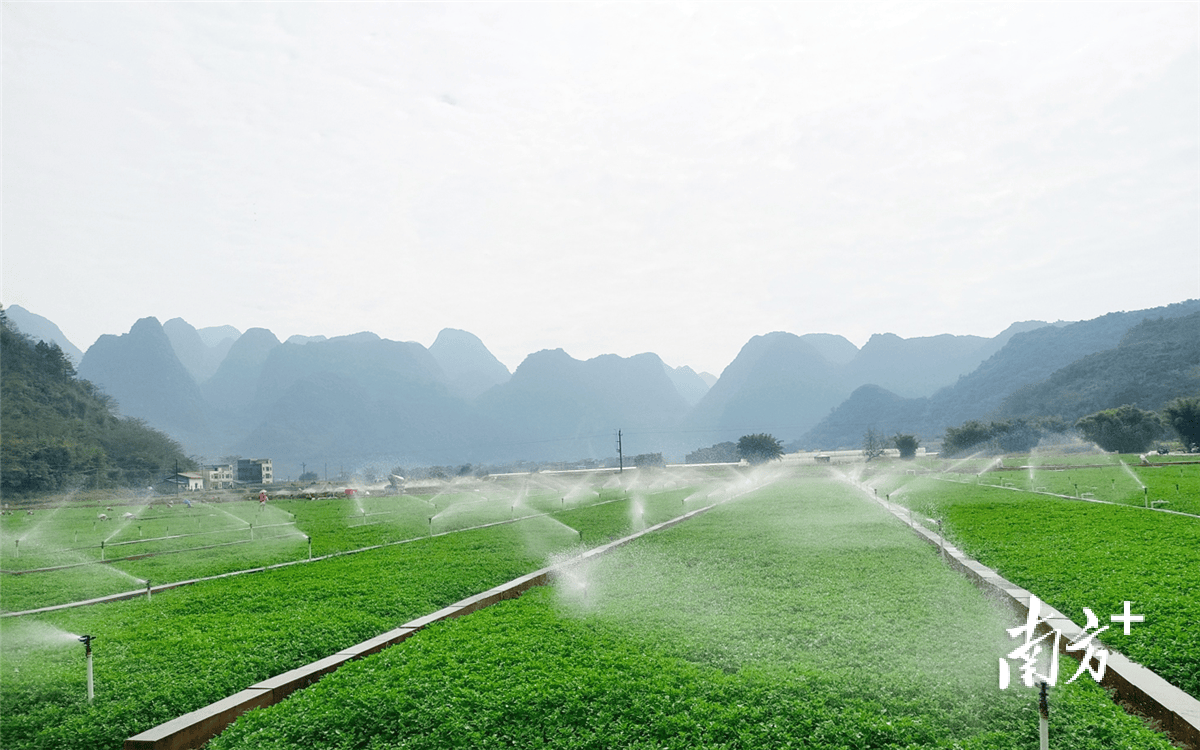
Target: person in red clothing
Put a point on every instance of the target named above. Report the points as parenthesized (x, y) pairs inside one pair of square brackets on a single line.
[(262, 497)]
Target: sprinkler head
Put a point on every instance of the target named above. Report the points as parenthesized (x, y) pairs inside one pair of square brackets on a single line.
[(86, 640)]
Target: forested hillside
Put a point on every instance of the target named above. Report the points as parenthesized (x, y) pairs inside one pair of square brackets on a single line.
[(1158, 360), (59, 432)]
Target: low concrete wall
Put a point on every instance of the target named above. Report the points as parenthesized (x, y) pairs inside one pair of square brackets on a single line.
[(196, 728), (1136, 688)]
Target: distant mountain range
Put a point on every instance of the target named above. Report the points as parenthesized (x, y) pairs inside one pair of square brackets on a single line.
[(1036, 373), (43, 330), (360, 400)]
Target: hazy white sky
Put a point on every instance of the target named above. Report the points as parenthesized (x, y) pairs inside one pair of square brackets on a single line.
[(622, 177)]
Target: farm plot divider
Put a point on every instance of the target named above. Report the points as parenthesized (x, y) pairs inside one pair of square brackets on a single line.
[(1135, 687), (194, 729)]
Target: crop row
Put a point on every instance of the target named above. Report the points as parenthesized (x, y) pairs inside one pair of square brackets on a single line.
[(799, 616)]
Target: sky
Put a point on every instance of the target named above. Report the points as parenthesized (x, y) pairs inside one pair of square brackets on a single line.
[(674, 177)]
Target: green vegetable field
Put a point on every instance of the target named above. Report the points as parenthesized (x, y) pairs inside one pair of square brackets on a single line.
[(797, 616), (795, 613)]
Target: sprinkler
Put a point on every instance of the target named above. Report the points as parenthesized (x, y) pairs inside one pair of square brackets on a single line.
[(18, 542), (147, 589), (941, 538), (309, 540), (1043, 718), (86, 640), (251, 531), (101, 550), (431, 526), (1146, 495)]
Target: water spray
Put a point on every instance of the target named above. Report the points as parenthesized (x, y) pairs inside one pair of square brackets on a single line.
[(1043, 718), (86, 640)]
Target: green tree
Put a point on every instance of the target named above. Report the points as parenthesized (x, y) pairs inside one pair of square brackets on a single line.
[(648, 459), (1126, 429), (971, 434), (906, 444), (1183, 415), (759, 448), (873, 444), (714, 454)]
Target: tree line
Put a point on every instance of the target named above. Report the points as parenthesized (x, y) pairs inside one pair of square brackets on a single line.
[(1125, 429)]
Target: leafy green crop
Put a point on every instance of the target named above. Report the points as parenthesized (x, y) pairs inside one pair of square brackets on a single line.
[(799, 616), (168, 544), (1075, 555), (190, 646)]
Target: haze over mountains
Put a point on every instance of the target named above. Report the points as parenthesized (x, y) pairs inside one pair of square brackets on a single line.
[(360, 400)]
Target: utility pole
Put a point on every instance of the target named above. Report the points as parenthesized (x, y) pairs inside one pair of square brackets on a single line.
[(302, 467), (620, 455), (177, 476)]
